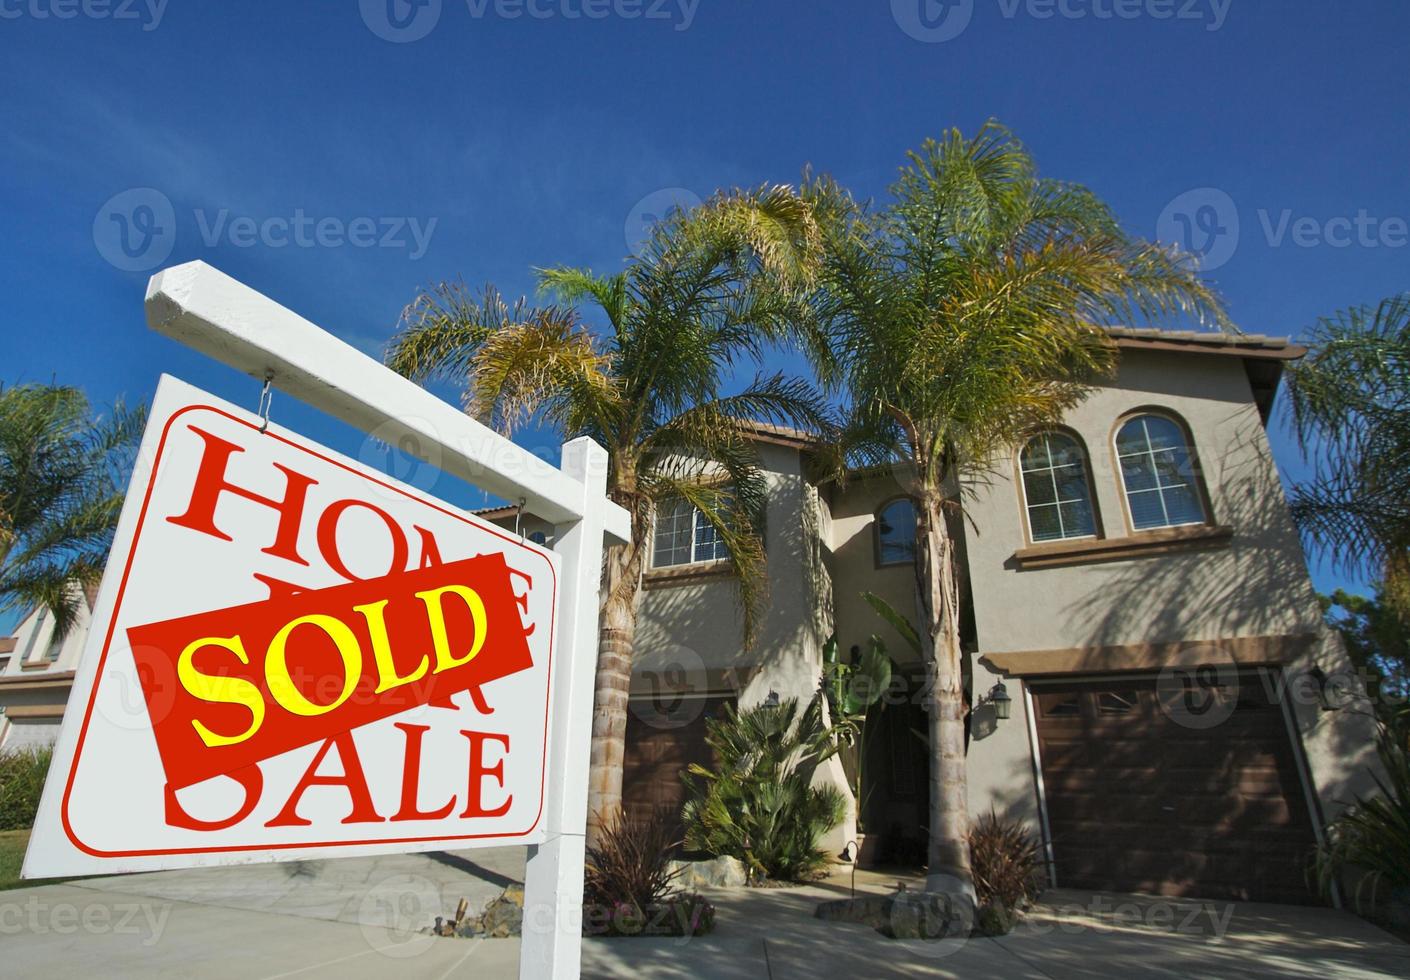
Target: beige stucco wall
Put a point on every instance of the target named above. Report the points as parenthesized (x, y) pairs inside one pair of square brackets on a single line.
[(695, 628), (1256, 586), (853, 556)]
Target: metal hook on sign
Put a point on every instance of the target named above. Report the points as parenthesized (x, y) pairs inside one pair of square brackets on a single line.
[(519, 517), (266, 398)]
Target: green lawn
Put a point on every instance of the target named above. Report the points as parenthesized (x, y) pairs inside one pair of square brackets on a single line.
[(12, 845)]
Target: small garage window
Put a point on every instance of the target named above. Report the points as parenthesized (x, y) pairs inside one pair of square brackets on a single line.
[(1065, 705)]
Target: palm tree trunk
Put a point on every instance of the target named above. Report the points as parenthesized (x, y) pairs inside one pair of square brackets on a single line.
[(621, 585), (949, 869)]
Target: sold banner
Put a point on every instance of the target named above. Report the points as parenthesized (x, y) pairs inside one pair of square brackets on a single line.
[(294, 655)]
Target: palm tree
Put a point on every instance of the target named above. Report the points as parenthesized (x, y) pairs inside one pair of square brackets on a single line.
[(711, 288), (59, 495), (1351, 409), (956, 319)]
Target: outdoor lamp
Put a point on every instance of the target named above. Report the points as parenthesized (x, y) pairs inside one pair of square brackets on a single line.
[(1324, 693), (999, 698), (772, 700)]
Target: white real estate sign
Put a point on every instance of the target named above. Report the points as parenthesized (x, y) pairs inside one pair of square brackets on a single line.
[(295, 656)]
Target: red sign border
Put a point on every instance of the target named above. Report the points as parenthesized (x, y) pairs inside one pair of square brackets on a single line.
[(117, 606)]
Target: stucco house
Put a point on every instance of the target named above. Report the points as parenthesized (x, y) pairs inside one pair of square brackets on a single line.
[(1138, 604), (1153, 690), (36, 675)]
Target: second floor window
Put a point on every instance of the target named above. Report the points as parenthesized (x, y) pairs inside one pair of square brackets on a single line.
[(1158, 473), (896, 533), (1056, 491), (684, 537)]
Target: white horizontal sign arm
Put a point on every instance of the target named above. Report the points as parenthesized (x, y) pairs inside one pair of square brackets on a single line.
[(205, 309)]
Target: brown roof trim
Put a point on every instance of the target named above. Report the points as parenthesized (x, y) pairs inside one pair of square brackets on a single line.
[(7, 644), (1256, 346), (1147, 657), (780, 435)]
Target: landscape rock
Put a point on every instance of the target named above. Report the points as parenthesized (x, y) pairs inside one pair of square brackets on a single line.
[(901, 915), (721, 872)]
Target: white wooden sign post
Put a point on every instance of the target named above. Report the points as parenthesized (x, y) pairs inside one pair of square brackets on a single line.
[(251, 567)]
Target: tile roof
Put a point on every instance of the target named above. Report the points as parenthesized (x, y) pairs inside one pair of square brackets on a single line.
[(1209, 342)]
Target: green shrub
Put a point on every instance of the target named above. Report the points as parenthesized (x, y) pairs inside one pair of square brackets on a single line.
[(1007, 863), (22, 774), (757, 804), (1370, 841)]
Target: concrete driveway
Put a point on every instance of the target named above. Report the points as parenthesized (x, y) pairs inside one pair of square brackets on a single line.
[(361, 917)]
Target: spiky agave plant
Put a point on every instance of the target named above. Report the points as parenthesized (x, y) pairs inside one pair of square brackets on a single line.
[(758, 803)]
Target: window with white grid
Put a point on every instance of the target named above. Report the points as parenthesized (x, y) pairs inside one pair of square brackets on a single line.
[(684, 537), (1056, 489), (1157, 470)]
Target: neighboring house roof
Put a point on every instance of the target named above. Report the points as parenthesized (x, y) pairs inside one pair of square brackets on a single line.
[(7, 644), (496, 513)]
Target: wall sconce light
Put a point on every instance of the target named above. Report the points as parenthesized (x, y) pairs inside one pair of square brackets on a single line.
[(998, 696), (1323, 683), (772, 700)]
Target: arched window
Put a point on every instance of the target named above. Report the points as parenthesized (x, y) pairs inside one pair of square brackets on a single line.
[(1057, 490), (1158, 473), (896, 532)]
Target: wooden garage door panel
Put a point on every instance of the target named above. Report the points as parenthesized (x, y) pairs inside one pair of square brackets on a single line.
[(665, 736), (1139, 802)]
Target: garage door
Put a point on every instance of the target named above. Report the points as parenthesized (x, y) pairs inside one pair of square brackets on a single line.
[(1144, 795), (665, 735)]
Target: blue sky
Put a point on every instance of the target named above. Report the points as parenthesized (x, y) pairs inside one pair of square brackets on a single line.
[(486, 137)]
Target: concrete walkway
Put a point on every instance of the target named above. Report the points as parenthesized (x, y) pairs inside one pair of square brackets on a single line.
[(361, 918)]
